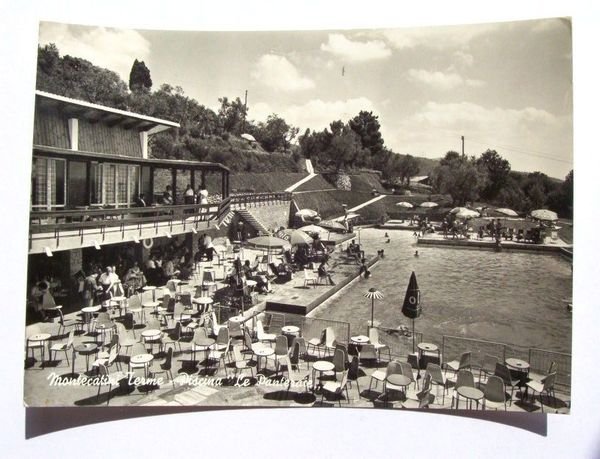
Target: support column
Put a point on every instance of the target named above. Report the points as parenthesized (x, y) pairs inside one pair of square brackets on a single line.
[(144, 143), (73, 124), (74, 261)]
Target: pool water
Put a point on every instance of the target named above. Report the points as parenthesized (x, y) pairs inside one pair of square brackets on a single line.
[(513, 298)]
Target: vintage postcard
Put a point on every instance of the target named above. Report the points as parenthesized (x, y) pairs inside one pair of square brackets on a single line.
[(362, 218)]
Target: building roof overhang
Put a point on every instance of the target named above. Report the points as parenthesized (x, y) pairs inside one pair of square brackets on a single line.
[(95, 113)]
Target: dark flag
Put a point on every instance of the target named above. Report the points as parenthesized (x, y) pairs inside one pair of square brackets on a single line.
[(412, 301)]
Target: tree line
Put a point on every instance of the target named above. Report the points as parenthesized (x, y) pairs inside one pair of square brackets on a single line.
[(489, 178)]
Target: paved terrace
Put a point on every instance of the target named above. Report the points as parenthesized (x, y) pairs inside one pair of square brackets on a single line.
[(216, 386)]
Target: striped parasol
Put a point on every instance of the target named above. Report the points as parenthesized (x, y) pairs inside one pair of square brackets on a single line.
[(373, 294)]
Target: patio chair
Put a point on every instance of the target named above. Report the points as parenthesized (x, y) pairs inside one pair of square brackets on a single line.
[(374, 340), (172, 337), (545, 386), (281, 349), (138, 348), (167, 309), (337, 388), (353, 373), (367, 352), (165, 367), (262, 336), (63, 347), (494, 394), (299, 343), (422, 402), (462, 364), (464, 379), (309, 278), (235, 330), (223, 340), (437, 378), (406, 370), (134, 306), (317, 343), (503, 372), (107, 378), (64, 324), (219, 356), (295, 376), (215, 324), (124, 340), (241, 363), (381, 375), (329, 340), (489, 366)]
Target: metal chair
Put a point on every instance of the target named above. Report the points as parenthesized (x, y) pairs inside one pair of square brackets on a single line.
[(545, 386), (494, 394), (489, 365)]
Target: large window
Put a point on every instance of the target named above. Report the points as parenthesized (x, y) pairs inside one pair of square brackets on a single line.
[(114, 184), (48, 183)]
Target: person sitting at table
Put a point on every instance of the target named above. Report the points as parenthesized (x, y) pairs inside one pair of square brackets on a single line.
[(140, 201), (106, 281), (247, 269), (134, 279), (169, 270), (167, 197), (322, 270)]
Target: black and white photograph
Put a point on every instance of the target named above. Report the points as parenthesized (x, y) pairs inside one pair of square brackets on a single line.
[(364, 218), (329, 229)]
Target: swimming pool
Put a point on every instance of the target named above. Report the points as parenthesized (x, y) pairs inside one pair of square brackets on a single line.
[(514, 298)]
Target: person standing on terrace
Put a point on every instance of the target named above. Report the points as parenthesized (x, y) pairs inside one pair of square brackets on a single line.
[(106, 280), (202, 196), (167, 196), (189, 197), (140, 201)]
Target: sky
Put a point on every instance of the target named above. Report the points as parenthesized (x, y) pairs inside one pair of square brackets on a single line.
[(503, 86)]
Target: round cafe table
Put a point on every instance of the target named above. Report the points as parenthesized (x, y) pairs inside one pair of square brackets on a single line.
[(104, 327), (290, 329), (519, 369), (202, 301), (360, 339), (142, 359), (40, 338), (152, 337), (121, 303), (470, 394), (321, 366), (261, 352), (84, 349)]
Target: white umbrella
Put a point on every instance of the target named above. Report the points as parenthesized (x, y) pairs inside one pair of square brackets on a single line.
[(248, 137), (459, 209), (429, 204), (408, 205), (314, 229), (332, 225), (544, 215), (307, 213), (505, 211), (373, 294), (466, 213)]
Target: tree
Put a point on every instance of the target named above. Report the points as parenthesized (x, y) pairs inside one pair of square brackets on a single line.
[(139, 77), (409, 167), (232, 115), (460, 177), (366, 126), (79, 79), (561, 199), (344, 149), (498, 170), (275, 134)]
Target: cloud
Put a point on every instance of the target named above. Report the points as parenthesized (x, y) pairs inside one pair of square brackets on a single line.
[(355, 51), (521, 135), (114, 49), (441, 81), (279, 73), (315, 114), (464, 59), (440, 38)]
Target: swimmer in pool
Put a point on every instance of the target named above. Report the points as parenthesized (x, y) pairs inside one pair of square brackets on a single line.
[(386, 235), (388, 241), (417, 253)]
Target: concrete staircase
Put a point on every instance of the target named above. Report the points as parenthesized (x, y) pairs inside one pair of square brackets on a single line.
[(253, 221)]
